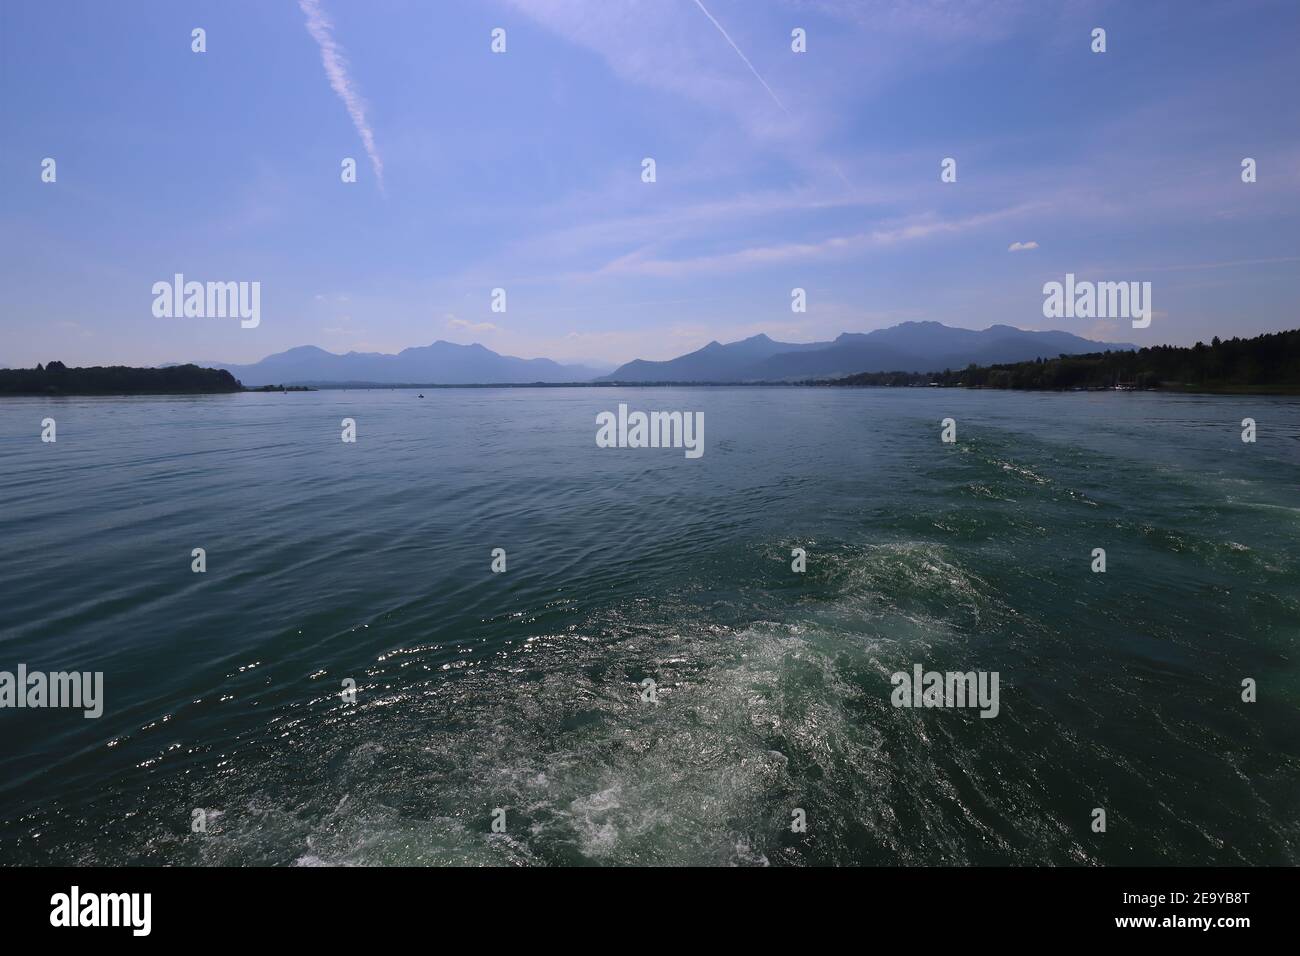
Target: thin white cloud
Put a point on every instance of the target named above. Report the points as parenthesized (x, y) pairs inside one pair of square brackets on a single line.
[(911, 230), (336, 69), (669, 51), (1022, 246), (1229, 264), (467, 326)]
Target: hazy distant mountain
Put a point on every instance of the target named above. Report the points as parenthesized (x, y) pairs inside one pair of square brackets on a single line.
[(713, 363), (909, 347), (442, 363)]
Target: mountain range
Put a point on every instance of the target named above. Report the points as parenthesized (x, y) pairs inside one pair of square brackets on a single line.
[(909, 347), (442, 363)]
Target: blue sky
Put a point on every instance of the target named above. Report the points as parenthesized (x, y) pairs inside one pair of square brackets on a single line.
[(522, 171)]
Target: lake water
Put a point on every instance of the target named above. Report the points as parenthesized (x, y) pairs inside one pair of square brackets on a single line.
[(522, 690)]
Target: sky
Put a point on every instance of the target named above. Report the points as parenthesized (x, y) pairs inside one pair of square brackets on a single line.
[(523, 171)]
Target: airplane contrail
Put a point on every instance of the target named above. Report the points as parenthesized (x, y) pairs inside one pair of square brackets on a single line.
[(336, 70), (776, 99)]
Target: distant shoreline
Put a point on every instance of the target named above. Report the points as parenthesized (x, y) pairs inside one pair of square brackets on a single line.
[(1278, 390), (839, 383), (1267, 364)]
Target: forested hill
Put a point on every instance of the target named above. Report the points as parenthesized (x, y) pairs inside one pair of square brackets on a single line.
[(1265, 363), (57, 379)]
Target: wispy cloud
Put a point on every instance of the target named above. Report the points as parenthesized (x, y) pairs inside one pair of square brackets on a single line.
[(1022, 246), (1229, 264), (464, 325), (669, 52), (891, 234), (336, 69)]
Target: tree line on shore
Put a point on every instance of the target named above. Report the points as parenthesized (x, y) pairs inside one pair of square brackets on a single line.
[(1268, 362), (55, 378)]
